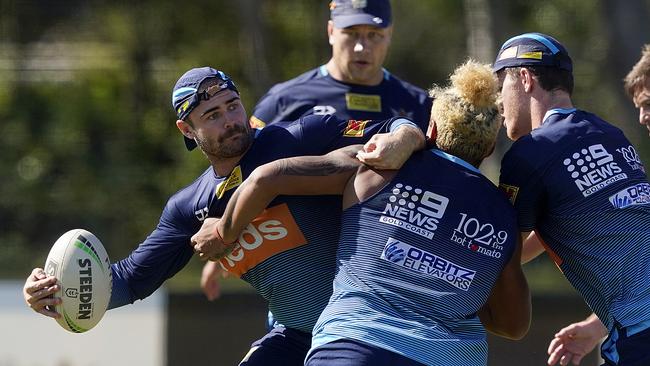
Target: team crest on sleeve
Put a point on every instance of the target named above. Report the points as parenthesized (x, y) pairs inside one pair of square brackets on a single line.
[(355, 128), (255, 122), (510, 192), (233, 181)]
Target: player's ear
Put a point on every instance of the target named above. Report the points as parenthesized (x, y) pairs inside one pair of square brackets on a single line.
[(185, 128), (432, 133), (526, 78), (330, 30)]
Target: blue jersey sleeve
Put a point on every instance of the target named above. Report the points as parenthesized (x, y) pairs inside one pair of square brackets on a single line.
[(522, 184), (162, 254), (322, 134), (266, 111), (276, 107)]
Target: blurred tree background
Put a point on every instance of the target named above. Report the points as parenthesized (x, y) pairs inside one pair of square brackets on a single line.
[(88, 137)]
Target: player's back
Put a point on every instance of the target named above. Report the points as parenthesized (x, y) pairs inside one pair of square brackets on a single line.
[(420, 258), (585, 191)]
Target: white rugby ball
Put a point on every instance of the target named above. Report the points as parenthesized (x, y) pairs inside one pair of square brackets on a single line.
[(81, 266)]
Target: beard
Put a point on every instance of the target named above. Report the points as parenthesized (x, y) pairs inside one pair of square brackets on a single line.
[(223, 147)]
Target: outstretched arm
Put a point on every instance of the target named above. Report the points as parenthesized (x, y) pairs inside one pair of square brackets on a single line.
[(307, 175), (508, 309)]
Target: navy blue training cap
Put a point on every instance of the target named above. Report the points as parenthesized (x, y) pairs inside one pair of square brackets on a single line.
[(533, 49), (186, 96), (347, 13)]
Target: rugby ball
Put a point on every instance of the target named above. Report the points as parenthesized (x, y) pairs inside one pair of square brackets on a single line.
[(81, 266)]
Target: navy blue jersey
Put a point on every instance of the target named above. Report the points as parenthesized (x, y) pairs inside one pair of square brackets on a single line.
[(418, 259), (316, 92), (287, 254), (579, 183)]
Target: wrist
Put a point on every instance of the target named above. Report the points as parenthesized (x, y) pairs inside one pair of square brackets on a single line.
[(222, 234)]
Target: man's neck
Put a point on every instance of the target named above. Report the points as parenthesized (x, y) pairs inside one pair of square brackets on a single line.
[(556, 99), (337, 75), (223, 167)]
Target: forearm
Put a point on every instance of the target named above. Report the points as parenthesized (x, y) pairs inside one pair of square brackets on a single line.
[(307, 175), (532, 246), (595, 326), (507, 312), (120, 293), (246, 203), (409, 134), (162, 254)]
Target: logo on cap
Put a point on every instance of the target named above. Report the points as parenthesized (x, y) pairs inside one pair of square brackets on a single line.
[(533, 49)]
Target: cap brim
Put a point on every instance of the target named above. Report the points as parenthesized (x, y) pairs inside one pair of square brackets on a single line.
[(189, 143), (344, 21)]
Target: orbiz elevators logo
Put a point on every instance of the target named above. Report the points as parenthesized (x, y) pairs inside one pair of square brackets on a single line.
[(414, 210), (408, 256), (638, 194), (592, 169)]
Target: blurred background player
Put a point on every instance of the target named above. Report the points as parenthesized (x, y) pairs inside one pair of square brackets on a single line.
[(576, 340), (352, 85), (637, 86), (413, 278), (293, 277), (577, 182)]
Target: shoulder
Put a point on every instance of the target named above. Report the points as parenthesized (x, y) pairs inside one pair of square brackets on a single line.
[(405, 87), (300, 80), (463, 184), (281, 132), (183, 202)]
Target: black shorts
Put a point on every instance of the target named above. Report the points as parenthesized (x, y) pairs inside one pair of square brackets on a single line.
[(279, 347), (630, 348), (347, 352)]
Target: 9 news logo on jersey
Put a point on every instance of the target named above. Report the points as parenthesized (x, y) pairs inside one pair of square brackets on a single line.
[(414, 209), (592, 169)]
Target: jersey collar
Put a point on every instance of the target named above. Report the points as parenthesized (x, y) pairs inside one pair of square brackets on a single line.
[(324, 72), (553, 111), (456, 160)]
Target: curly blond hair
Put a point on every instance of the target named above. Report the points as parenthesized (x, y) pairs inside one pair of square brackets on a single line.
[(466, 113), (639, 73)]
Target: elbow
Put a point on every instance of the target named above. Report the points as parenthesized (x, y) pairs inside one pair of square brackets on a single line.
[(263, 176), (511, 323), (515, 330)]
